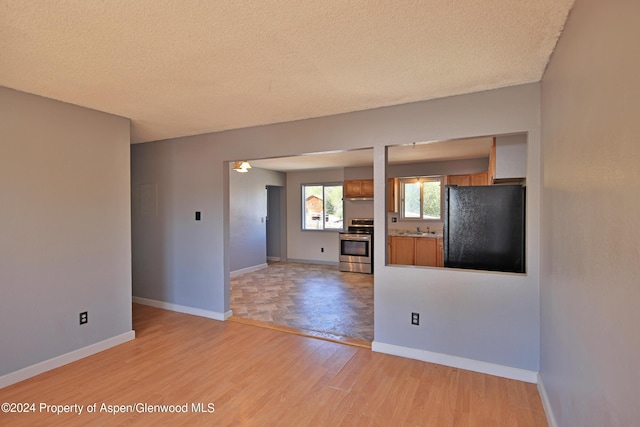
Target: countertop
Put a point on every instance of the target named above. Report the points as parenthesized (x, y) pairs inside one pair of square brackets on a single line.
[(407, 233)]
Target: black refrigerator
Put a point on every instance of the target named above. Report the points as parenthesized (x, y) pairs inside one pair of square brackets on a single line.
[(484, 228)]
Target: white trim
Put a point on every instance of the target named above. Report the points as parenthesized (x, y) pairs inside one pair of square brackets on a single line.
[(311, 261), (457, 362), (183, 309), (273, 258), (56, 362), (546, 403), (248, 270)]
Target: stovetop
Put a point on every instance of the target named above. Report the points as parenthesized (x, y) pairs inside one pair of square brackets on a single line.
[(359, 226), (358, 230)]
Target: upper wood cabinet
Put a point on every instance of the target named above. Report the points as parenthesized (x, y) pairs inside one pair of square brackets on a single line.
[(358, 188), (392, 195), (481, 178), (367, 187), (461, 180)]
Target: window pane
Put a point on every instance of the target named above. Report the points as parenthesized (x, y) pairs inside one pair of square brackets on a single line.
[(411, 202), (313, 207), (421, 197), (431, 200), (333, 206), (322, 207)]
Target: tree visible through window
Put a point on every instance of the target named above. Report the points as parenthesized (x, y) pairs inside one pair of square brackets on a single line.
[(421, 198), (322, 207)]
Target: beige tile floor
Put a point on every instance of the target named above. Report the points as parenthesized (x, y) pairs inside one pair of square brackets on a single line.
[(307, 296)]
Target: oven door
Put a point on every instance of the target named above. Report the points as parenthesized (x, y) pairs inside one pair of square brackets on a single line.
[(355, 248)]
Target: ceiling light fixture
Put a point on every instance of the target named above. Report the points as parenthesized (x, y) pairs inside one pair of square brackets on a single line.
[(242, 166)]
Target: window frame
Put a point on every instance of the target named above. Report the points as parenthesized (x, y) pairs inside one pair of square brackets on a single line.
[(421, 180), (323, 216)]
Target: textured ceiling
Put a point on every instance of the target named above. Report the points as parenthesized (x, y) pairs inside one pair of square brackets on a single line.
[(184, 67)]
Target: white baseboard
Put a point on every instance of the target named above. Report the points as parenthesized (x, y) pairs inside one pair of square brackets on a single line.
[(312, 261), (248, 269), (56, 362), (546, 403), (183, 309), (457, 362)]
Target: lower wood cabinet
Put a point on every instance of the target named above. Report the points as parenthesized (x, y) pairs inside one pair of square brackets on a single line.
[(403, 250), (424, 251), (426, 248), (440, 253)]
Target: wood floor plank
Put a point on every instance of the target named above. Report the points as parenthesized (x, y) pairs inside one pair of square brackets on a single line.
[(262, 377)]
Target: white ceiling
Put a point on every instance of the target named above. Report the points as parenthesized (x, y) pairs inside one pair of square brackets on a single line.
[(184, 67), (470, 148)]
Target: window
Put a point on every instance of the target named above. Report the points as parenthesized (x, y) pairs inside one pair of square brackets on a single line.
[(322, 207), (421, 198)]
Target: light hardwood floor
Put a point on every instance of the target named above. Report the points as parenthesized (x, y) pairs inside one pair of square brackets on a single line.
[(260, 377)]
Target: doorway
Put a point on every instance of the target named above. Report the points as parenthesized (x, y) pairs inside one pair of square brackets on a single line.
[(276, 224)]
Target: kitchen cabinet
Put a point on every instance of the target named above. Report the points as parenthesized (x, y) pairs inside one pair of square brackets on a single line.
[(392, 195), (425, 248), (358, 188), (422, 251), (480, 178), (461, 180), (466, 180), (403, 250)]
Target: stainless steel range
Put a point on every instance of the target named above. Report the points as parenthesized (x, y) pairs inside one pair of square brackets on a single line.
[(356, 246)]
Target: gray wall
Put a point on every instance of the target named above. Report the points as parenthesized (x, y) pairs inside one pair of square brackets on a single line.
[(360, 172), (511, 156), (64, 228), (590, 286), (449, 167), (485, 316), (247, 216), (306, 245), (175, 258)]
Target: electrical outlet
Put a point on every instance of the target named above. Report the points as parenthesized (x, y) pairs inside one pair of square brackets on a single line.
[(84, 317), (394, 219), (415, 318), (321, 249)]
